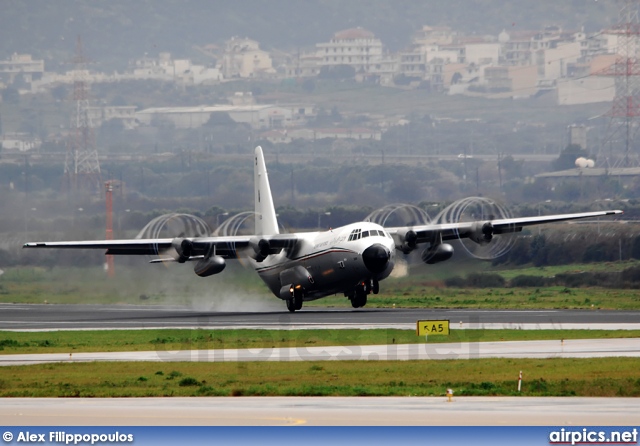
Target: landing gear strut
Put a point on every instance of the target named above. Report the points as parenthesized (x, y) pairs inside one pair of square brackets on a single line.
[(295, 302)]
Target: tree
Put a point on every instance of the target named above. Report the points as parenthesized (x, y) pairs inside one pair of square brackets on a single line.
[(338, 72), (635, 248), (11, 95), (60, 92), (308, 85)]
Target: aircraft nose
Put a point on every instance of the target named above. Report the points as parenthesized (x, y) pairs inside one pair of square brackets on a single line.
[(376, 258)]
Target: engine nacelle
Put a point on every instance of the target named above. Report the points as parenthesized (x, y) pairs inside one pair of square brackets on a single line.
[(437, 253), (286, 292), (261, 249), (409, 241), (183, 247), (209, 267), (481, 233)]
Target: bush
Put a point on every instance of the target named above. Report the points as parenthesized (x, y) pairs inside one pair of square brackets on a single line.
[(485, 280), (185, 382), (476, 280), (455, 282), (528, 281)]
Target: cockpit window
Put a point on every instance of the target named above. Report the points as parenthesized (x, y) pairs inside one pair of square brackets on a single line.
[(357, 234)]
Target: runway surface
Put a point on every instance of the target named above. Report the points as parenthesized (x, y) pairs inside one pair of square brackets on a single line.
[(68, 317), (369, 411), (578, 348), (321, 411)]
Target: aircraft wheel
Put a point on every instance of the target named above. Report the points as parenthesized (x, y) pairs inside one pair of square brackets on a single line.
[(290, 305), (359, 299), (375, 286), (297, 299)]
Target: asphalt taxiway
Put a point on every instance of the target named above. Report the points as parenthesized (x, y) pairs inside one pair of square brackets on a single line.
[(321, 411)]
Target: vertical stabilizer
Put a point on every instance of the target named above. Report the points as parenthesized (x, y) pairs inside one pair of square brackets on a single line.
[(266, 222)]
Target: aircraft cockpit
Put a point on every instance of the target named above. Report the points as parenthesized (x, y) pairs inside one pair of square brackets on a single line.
[(357, 234)]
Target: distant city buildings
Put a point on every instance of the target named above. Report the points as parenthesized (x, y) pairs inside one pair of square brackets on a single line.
[(571, 64), (516, 63)]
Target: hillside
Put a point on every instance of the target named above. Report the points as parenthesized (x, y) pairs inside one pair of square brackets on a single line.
[(116, 31)]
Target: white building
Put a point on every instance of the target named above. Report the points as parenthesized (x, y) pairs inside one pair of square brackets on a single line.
[(259, 117), (165, 68), (586, 90), (123, 113), (356, 47), (21, 65), (243, 58), (20, 142), (481, 53)]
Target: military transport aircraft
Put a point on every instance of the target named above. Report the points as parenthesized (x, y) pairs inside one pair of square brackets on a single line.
[(300, 267)]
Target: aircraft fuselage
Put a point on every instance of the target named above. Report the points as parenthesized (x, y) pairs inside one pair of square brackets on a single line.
[(331, 262)]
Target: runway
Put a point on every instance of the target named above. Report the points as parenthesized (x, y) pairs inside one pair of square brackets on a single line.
[(78, 317), (321, 411), (289, 411)]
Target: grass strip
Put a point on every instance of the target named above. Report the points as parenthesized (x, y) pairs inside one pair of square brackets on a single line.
[(604, 377), (185, 339)]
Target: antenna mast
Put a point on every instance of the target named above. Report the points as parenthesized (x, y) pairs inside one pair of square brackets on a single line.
[(625, 110), (81, 167)]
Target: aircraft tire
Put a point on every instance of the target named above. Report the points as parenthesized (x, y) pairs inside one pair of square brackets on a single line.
[(359, 299), (291, 306), (297, 299)]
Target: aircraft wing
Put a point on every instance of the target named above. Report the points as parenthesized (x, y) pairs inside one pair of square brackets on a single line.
[(186, 247), (480, 231)]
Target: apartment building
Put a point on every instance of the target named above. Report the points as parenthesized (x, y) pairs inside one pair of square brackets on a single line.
[(243, 58), (356, 47), (21, 66)]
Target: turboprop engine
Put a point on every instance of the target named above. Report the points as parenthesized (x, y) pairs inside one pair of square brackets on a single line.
[(183, 248), (209, 267), (481, 232), (261, 249), (408, 242)]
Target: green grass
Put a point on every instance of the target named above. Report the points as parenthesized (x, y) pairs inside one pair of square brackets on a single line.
[(174, 339), (541, 377), (551, 271), (238, 289)]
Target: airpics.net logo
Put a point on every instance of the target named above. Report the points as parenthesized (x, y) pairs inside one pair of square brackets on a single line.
[(588, 436)]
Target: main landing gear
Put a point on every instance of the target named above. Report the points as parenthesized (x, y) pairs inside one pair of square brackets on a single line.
[(295, 302), (358, 296)]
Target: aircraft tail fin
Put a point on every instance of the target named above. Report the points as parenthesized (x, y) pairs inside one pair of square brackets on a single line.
[(266, 221)]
